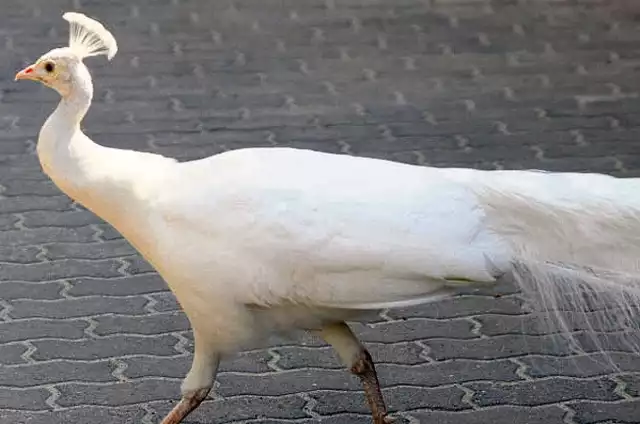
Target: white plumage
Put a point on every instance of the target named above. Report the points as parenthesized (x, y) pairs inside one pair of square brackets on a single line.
[(254, 241)]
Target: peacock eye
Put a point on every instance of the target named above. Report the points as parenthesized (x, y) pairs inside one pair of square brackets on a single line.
[(49, 67)]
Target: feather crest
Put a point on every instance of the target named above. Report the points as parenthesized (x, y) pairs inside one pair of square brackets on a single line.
[(88, 37)]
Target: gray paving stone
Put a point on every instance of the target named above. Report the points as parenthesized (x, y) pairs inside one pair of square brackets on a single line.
[(107, 232), (399, 353), (30, 399), (52, 372), (240, 408), (463, 306), (12, 353), (178, 366), (625, 412), (45, 235), (247, 362), (124, 286), (24, 255), (533, 324), (516, 345), (80, 307), (540, 392), (34, 291), (108, 249), (499, 415), (333, 419), (30, 187), (154, 366), (28, 203), (65, 219), (414, 329), (444, 373), (28, 329), (580, 366), (137, 265), (398, 399), (286, 382), (61, 269), (73, 394), (632, 382), (165, 322), (165, 302), (91, 349), (8, 222), (88, 413)]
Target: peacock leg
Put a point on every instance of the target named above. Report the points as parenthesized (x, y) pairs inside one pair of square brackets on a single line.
[(197, 384), (187, 404), (356, 357)]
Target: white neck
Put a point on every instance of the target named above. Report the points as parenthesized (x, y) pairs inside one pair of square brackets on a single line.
[(61, 143), (112, 183), (98, 177)]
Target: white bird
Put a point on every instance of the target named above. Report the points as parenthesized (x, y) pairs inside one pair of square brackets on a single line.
[(262, 240)]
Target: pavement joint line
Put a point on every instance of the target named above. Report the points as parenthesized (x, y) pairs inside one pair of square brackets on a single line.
[(5, 311), (149, 415), (123, 269), (26, 355), (309, 406), (621, 388), (19, 224), (151, 304), (408, 417), (52, 400), (477, 327), (181, 344), (569, 414), (89, 331), (275, 357), (522, 369), (119, 368), (425, 353), (64, 291), (467, 397)]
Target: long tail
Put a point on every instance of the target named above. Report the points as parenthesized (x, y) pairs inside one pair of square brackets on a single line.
[(594, 309), (575, 256)]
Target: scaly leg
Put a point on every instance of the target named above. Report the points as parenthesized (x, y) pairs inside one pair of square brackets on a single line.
[(356, 357), (187, 404), (197, 384)]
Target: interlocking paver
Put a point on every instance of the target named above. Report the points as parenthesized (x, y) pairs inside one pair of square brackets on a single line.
[(110, 347), (59, 371), (579, 366), (497, 415), (541, 392), (124, 286), (601, 412), (399, 398), (90, 333), (163, 322), (29, 329), (78, 307)]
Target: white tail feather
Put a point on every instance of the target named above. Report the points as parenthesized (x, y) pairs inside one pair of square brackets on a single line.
[(88, 37), (580, 301), (576, 260)]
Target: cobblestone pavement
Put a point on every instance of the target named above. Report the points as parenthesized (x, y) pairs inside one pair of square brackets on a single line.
[(89, 333)]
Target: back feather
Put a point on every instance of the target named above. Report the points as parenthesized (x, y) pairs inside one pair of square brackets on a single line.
[(88, 37)]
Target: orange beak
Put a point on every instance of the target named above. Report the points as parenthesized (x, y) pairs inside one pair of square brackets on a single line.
[(27, 73)]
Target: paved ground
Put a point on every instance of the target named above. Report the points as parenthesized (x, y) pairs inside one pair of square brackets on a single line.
[(89, 334)]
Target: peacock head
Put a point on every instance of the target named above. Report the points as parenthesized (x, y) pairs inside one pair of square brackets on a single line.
[(62, 67)]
